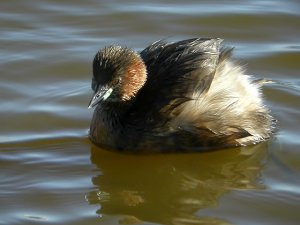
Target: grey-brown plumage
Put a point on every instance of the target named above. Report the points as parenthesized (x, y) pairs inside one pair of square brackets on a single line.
[(182, 96)]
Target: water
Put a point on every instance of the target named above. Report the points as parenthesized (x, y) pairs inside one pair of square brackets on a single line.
[(52, 174)]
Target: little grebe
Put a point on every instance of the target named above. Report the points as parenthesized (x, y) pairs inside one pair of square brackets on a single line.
[(182, 96)]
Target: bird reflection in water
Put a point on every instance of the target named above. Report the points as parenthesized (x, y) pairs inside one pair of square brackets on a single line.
[(171, 188)]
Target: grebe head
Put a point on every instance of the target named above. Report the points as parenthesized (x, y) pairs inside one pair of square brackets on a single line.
[(118, 74)]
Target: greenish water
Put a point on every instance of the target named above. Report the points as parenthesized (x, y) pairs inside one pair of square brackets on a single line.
[(52, 174)]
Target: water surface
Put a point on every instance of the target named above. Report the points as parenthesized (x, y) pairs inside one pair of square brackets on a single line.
[(52, 174)]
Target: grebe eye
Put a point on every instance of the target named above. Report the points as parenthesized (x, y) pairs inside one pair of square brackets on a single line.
[(115, 82)]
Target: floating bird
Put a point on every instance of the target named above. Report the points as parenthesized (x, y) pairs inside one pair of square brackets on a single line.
[(174, 97)]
